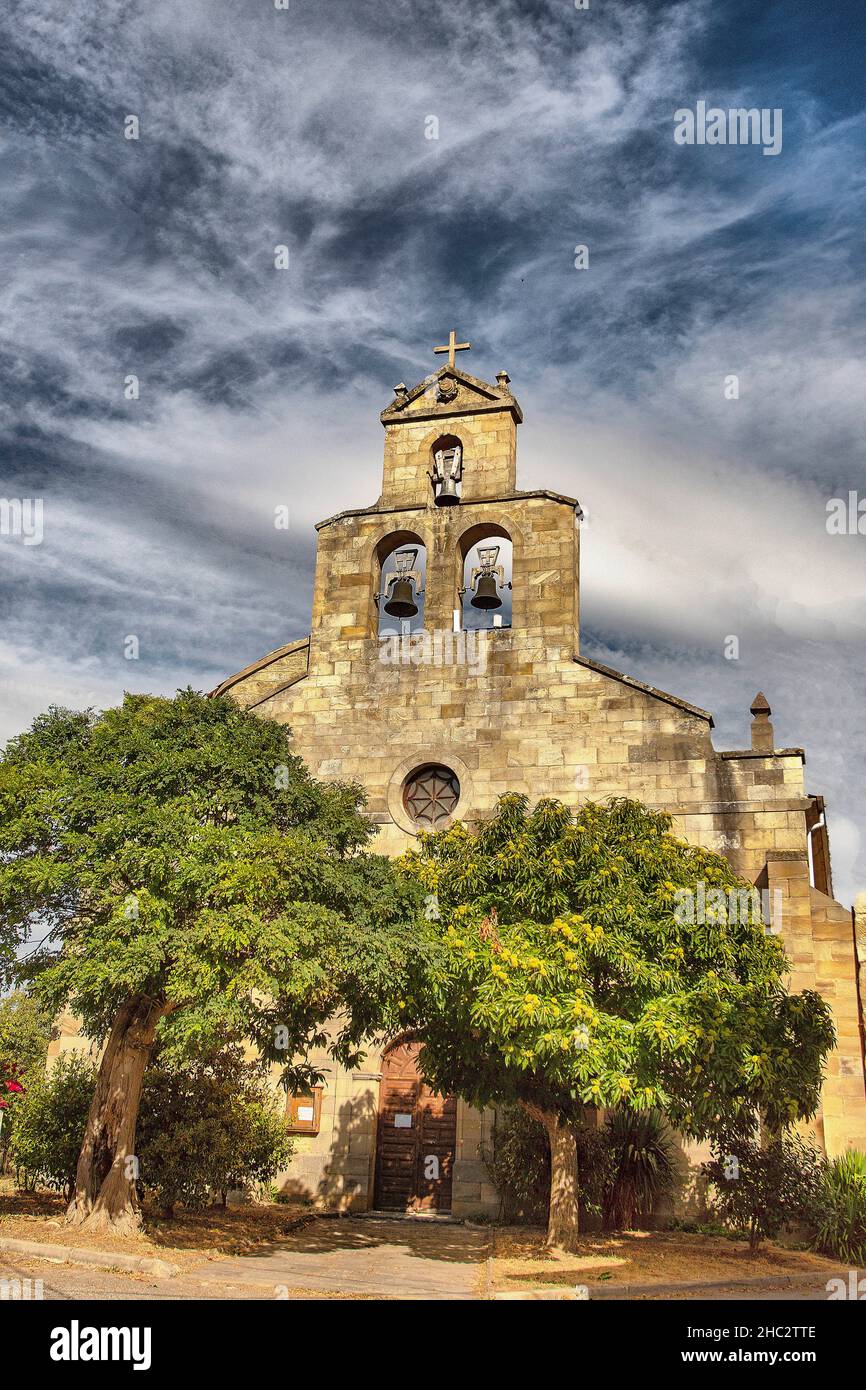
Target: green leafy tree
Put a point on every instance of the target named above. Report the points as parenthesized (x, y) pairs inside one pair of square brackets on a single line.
[(759, 1189), (187, 876), (25, 1031), (208, 1128), (568, 975), (50, 1123)]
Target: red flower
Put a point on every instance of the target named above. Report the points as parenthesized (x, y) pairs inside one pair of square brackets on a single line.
[(14, 1086)]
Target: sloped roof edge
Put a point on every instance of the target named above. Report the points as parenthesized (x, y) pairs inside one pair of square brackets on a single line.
[(259, 665), (647, 689)]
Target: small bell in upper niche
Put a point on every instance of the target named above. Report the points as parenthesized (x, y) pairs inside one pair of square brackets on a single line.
[(447, 470)]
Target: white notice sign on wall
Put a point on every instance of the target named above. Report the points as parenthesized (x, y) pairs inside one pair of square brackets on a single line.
[(306, 1113), (402, 1121)]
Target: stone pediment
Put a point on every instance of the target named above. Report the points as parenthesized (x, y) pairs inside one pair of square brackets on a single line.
[(448, 392)]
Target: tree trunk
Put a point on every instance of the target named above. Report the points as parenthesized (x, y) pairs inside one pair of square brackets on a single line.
[(105, 1197), (563, 1219)]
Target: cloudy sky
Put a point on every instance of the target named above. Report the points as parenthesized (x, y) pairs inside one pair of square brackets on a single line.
[(308, 127)]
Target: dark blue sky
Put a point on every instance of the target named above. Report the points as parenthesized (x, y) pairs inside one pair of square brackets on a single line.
[(258, 387)]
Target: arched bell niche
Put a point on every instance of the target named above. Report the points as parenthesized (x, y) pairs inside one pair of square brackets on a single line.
[(446, 471), (485, 566), (400, 579)]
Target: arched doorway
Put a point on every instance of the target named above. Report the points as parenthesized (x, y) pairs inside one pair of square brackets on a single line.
[(416, 1139)]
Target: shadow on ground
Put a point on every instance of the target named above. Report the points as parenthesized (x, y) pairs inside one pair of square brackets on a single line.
[(247, 1230)]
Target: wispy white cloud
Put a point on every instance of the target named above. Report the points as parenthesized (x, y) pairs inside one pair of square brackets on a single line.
[(261, 387)]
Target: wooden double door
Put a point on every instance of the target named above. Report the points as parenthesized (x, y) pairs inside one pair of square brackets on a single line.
[(416, 1140)]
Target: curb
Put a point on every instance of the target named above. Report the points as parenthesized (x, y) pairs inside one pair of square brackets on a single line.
[(591, 1292), (539, 1296), (103, 1259), (756, 1282)]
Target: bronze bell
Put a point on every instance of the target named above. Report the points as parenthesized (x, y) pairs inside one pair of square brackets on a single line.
[(447, 472), (486, 595), (402, 603), (447, 496)]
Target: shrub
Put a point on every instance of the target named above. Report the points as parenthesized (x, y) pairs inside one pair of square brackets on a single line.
[(202, 1130), (642, 1167), (701, 1228), (519, 1166), (760, 1190), (49, 1123), (841, 1223), (206, 1129), (12, 1092)]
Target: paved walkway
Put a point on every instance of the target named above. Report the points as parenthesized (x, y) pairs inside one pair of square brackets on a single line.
[(373, 1257)]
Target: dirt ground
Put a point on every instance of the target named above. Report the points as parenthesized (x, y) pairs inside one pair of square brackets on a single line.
[(519, 1260), (285, 1245), (259, 1252), (187, 1239)]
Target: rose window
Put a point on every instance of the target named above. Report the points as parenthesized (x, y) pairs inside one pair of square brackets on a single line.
[(430, 796)]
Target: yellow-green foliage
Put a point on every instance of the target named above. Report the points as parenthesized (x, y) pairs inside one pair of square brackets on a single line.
[(566, 976)]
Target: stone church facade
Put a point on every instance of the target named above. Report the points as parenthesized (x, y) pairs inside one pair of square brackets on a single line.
[(483, 689)]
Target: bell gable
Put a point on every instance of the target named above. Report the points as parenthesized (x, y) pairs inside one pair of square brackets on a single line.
[(449, 392)]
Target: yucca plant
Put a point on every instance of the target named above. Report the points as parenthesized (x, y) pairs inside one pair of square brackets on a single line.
[(842, 1223), (643, 1167)]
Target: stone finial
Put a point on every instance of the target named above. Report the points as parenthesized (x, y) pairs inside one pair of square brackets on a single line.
[(763, 737), (401, 391), (502, 380)]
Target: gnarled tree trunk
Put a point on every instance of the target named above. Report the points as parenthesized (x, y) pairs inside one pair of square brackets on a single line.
[(563, 1218), (105, 1196)]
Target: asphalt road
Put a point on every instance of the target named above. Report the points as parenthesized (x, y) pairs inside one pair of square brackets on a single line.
[(72, 1283)]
